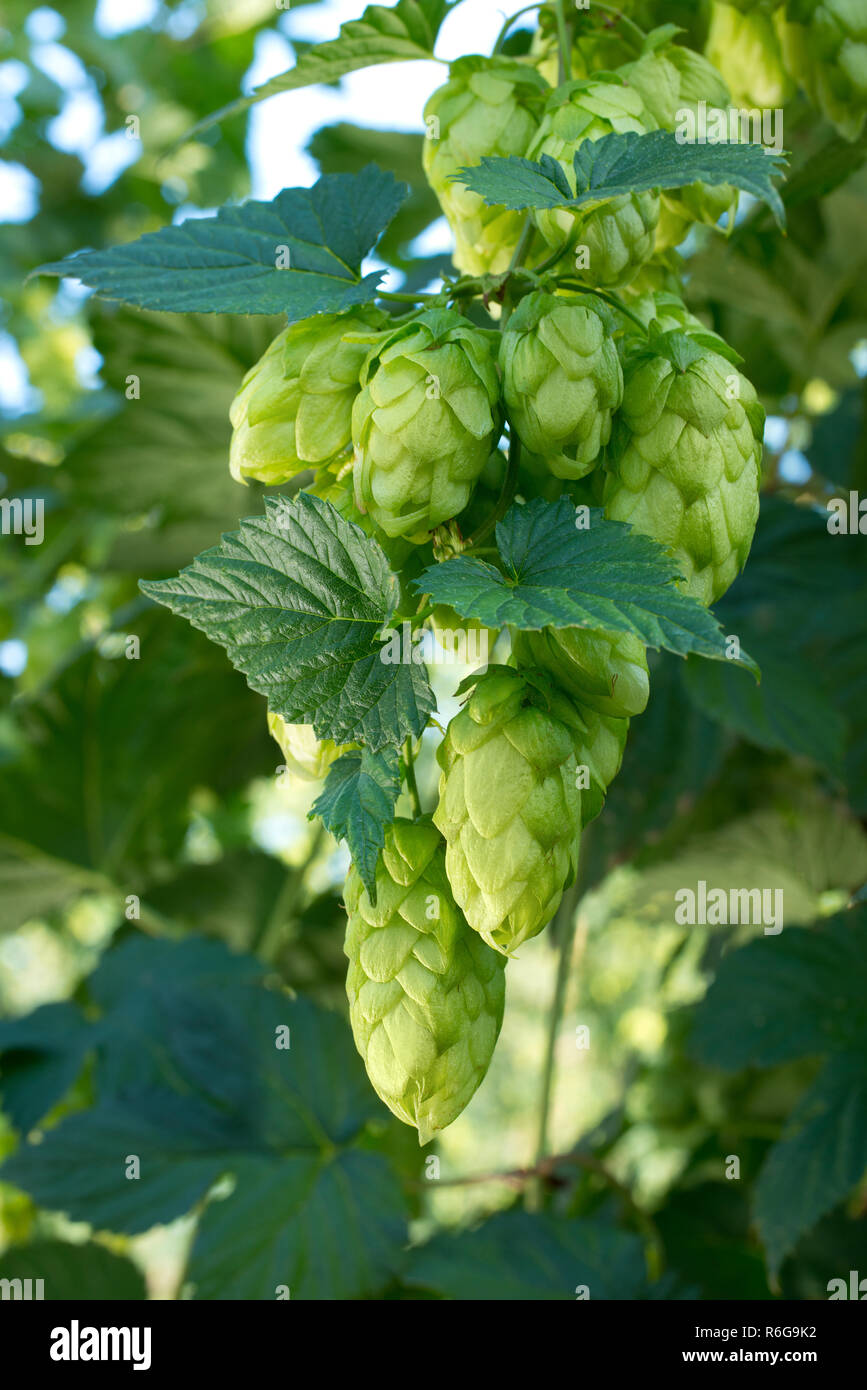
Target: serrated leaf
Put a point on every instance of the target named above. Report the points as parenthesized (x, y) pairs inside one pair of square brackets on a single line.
[(627, 163), (801, 994), (298, 598), (72, 1272), (820, 1158), (230, 263), (41, 1055), (357, 804), (605, 576), (237, 1082), (556, 1257)]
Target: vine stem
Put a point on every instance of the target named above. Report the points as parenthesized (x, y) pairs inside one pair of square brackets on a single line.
[(507, 496), (509, 22), (564, 49), (411, 783)]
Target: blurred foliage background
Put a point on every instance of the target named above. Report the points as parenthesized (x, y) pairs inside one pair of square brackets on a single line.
[(165, 905)]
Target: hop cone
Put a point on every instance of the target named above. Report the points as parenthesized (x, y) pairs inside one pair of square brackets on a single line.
[(425, 422), (825, 48), (603, 671), (294, 407), (509, 806), (306, 755), (562, 379), (599, 749), (745, 47), (673, 80), (684, 461), (489, 106), (425, 993), (619, 232), (594, 50)]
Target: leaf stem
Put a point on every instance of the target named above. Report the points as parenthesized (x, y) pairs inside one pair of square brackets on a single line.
[(507, 496), (564, 48), (421, 296), (508, 24), (411, 783)]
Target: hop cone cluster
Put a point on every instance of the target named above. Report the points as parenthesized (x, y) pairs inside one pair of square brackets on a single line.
[(561, 379), (684, 461), (743, 43), (825, 48), (509, 806), (489, 106), (618, 233), (294, 408), (425, 993), (425, 422)]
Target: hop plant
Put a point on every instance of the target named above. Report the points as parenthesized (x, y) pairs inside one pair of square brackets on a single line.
[(603, 671), (489, 106), (825, 48), (619, 232), (598, 749), (306, 755), (594, 49), (684, 461), (743, 43), (425, 993), (510, 806), (561, 379), (294, 408), (425, 422)]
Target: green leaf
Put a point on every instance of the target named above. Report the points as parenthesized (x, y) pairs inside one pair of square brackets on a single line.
[(88, 801), (203, 1075), (73, 1272), (41, 1055), (400, 34), (820, 1158), (557, 1257), (787, 711), (230, 263), (357, 804), (605, 576), (801, 994), (628, 163), (298, 598)]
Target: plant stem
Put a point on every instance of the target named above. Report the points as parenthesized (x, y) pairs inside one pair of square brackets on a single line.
[(422, 296), (624, 19), (565, 924), (507, 496), (564, 49), (509, 22), (411, 783)]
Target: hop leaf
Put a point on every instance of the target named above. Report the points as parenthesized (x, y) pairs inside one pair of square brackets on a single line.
[(426, 995)]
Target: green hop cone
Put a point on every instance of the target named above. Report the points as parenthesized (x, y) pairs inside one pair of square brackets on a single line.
[(672, 82), (294, 408), (509, 806), (562, 379), (619, 233), (598, 47), (825, 48), (606, 671), (599, 753), (489, 106), (745, 48), (306, 755), (684, 462), (425, 993), (425, 422)]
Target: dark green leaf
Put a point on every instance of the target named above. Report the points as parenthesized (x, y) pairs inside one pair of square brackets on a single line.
[(40, 1058), (73, 1272), (357, 804), (605, 576), (231, 263), (628, 163), (298, 598)]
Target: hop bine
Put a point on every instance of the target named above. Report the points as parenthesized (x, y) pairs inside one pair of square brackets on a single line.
[(426, 994)]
